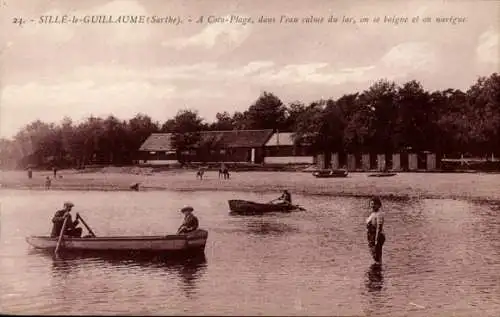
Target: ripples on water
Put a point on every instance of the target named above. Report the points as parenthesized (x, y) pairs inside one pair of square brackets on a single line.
[(441, 257)]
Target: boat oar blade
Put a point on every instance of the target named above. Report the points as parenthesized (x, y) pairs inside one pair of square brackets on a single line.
[(61, 234), (300, 208)]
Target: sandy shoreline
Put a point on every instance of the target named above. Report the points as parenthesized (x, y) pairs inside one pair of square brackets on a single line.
[(475, 186)]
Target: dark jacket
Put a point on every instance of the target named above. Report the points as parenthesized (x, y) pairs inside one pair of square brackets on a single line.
[(58, 221), (286, 197), (190, 224)]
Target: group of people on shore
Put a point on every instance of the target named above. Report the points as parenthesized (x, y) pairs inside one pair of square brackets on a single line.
[(374, 224), (48, 180), (223, 172)]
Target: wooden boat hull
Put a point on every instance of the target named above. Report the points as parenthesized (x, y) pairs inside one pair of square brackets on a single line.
[(191, 242), (382, 175), (330, 174), (246, 207), (139, 258)]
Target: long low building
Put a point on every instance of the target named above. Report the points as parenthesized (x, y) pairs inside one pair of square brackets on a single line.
[(213, 146), (238, 146)]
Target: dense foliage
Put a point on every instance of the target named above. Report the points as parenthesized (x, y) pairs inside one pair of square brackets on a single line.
[(384, 118)]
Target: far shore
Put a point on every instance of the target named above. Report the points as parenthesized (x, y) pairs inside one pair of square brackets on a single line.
[(475, 186)]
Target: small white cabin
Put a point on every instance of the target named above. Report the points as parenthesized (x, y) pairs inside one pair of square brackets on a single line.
[(281, 149)]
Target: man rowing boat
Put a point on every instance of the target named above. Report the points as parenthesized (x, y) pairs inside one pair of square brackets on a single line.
[(285, 198), (71, 226)]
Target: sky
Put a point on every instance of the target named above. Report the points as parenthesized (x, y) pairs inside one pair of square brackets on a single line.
[(52, 71)]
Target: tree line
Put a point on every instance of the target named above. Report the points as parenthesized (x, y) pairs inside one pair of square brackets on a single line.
[(385, 118)]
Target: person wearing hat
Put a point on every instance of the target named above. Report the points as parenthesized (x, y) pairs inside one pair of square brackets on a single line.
[(375, 230), (190, 221), (71, 226)]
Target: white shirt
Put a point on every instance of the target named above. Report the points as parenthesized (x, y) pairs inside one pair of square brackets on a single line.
[(376, 218)]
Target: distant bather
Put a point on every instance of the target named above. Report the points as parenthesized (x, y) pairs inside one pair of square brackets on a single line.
[(199, 173)]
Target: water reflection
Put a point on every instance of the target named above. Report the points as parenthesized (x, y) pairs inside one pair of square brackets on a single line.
[(267, 225), (139, 260), (270, 226), (374, 280), (374, 284), (189, 274), (261, 225), (61, 267), (188, 269)]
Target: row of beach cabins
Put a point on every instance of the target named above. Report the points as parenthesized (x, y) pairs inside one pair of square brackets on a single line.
[(269, 148)]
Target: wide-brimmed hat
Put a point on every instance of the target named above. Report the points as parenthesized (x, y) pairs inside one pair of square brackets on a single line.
[(68, 204), (187, 209)]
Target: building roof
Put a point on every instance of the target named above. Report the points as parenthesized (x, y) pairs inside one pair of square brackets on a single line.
[(157, 142), (237, 138), (226, 139), (281, 138)]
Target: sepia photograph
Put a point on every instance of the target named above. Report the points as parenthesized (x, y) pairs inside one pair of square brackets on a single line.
[(244, 158)]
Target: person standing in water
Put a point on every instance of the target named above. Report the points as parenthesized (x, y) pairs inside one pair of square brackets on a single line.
[(375, 230)]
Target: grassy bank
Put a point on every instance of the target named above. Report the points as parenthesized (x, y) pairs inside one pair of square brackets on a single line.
[(441, 185)]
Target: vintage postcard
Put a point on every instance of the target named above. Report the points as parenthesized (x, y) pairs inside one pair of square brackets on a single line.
[(285, 157)]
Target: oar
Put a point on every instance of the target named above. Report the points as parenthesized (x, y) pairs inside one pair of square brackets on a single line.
[(85, 224), (299, 207), (61, 235)]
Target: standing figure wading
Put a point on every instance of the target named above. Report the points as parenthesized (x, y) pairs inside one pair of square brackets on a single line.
[(375, 230)]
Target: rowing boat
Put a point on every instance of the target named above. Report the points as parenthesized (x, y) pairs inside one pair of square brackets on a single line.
[(383, 174), (330, 173), (245, 207), (180, 243)]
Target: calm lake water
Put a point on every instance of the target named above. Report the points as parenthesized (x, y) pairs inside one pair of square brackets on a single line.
[(441, 257)]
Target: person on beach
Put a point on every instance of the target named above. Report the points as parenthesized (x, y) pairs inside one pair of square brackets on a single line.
[(200, 172), (190, 223), (375, 230), (48, 182), (71, 226), (221, 170)]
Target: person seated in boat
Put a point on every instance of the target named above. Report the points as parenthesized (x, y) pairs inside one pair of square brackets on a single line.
[(285, 198), (71, 226), (190, 223)]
